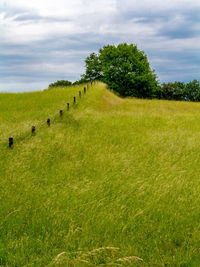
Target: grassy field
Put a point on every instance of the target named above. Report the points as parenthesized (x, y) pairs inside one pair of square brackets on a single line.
[(115, 182)]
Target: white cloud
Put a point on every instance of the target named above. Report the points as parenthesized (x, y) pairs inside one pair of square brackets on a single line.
[(92, 16), (54, 35), (156, 5), (64, 8), (59, 17)]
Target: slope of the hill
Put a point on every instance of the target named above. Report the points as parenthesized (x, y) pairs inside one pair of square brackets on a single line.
[(115, 182)]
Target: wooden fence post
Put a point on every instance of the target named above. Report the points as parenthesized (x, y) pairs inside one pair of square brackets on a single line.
[(84, 90), (48, 122), (74, 99), (33, 130), (10, 142), (68, 106)]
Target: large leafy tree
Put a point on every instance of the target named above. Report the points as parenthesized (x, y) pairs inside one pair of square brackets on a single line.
[(93, 68), (124, 68)]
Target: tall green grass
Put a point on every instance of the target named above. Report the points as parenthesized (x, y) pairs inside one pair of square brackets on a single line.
[(114, 183)]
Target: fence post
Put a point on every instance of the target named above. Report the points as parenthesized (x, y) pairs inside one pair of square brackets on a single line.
[(48, 122), (33, 130), (61, 113), (84, 90), (74, 99), (10, 142), (67, 106)]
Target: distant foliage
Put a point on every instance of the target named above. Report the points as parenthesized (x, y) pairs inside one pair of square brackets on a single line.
[(124, 68), (60, 83), (81, 81), (193, 90), (179, 91)]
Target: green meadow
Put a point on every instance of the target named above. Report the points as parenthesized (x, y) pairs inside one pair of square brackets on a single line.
[(114, 182)]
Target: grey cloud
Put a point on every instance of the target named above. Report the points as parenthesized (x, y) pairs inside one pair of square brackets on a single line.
[(165, 22), (36, 18), (61, 56)]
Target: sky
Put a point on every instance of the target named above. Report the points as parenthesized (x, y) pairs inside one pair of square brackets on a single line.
[(42, 41)]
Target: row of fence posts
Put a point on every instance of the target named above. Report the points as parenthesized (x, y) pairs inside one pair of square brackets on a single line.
[(33, 128)]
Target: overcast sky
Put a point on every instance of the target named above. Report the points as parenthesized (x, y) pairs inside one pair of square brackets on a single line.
[(42, 41)]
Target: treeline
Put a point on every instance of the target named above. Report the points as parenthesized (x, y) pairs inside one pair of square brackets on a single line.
[(169, 91), (126, 70), (64, 83), (179, 91), (60, 83)]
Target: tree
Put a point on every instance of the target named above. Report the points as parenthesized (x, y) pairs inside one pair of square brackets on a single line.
[(173, 91), (180, 91), (81, 81), (93, 70), (193, 90), (60, 83), (124, 68)]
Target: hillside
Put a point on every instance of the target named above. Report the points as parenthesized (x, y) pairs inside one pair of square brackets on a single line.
[(115, 182)]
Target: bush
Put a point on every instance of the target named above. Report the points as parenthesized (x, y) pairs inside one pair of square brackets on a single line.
[(60, 83), (81, 81)]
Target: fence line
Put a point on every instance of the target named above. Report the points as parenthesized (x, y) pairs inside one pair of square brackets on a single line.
[(19, 138)]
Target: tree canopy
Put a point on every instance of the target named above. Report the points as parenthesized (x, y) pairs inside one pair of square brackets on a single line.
[(60, 83), (179, 91), (124, 68)]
